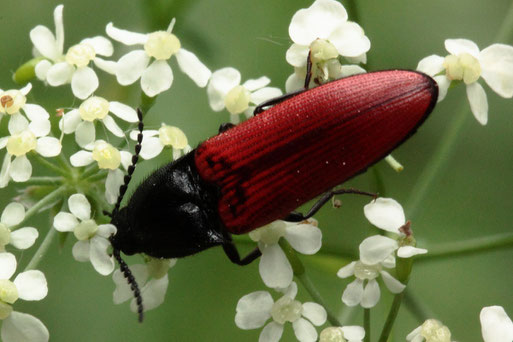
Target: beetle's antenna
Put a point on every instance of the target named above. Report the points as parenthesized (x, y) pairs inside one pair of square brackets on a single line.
[(131, 281), (131, 168)]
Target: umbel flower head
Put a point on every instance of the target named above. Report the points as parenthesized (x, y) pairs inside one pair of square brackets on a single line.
[(160, 46), (430, 331), (342, 334), (22, 238), (467, 64), (73, 67), (154, 141)]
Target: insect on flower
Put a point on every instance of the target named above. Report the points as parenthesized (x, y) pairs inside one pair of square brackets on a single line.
[(261, 170)]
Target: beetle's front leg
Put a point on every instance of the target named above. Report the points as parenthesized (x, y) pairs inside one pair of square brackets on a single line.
[(234, 256)]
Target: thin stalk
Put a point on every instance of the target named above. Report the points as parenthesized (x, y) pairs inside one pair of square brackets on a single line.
[(41, 251), (52, 196), (466, 247), (366, 325), (440, 158), (65, 162), (98, 176), (392, 315), (44, 181), (90, 170), (51, 165)]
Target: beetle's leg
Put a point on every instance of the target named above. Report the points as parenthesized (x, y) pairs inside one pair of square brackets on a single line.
[(225, 126), (234, 256), (298, 217), (308, 76)]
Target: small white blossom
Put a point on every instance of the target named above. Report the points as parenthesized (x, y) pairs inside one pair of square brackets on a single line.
[(466, 63), (26, 136), (22, 238), (81, 120), (253, 311), (30, 285), (225, 91), (13, 101), (154, 141), (161, 46), (342, 334), (430, 331), (496, 326), (324, 31), (274, 267), (93, 243), (153, 280), (73, 67)]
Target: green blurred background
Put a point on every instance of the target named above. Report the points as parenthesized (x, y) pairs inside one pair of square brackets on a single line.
[(470, 199)]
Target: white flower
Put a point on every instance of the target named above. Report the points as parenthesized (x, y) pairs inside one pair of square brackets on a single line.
[(225, 91), (73, 67), (24, 137), (430, 331), (81, 120), (153, 280), (13, 101), (254, 309), (323, 30), (22, 238), (108, 157), (29, 285), (93, 243), (342, 334), (160, 45), (388, 214), (274, 267), (154, 141), (496, 326), (466, 63)]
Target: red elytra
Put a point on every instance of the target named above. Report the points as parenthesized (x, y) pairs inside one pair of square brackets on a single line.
[(304, 146)]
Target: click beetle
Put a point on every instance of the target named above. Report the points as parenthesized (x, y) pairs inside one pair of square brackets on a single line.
[(264, 168)]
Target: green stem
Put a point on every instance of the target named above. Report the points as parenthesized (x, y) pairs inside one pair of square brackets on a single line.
[(51, 165), (45, 201), (64, 162), (44, 181), (41, 251), (440, 158), (392, 315), (100, 175), (89, 170), (471, 246), (366, 325)]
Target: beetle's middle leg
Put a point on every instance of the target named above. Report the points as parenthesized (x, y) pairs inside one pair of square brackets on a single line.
[(298, 217)]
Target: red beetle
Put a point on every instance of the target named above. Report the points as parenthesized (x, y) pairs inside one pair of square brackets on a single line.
[(261, 170)]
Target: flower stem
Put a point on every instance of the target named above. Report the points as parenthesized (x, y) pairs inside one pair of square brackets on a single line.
[(300, 273), (471, 246), (44, 181), (366, 325), (41, 251), (98, 176), (45, 201), (439, 159), (51, 166)]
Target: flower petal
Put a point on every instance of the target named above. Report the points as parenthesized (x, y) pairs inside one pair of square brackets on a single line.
[(21, 327), (431, 65), (265, 94), (65, 222), (317, 21), (497, 68), (385, 213), (304, 238), (45, 43), (496, 326), (13, 214), (59, 74), (124, 36), (350, 40), (253, 310), (221, 82), (69, 122), (112, 126), (151, 147), (108, 66), (157, 78), (376, 249), (4, 171), (304, 330), (85, 133), (353, 293), (101, 45), (443, 86), (7, 265), (409, 251), (394, 285), (48, 146), (106, 230), (123, 292), (371, 294), (315, 313), (478, 102), (21, 169), (347, 270), (42, 68), (84, 82), (24, 238), (81, 158), (40, 128), (274, 267), (102, 262), (123, 111), (459, 46), (353, 333), (79, 206), (294, 82), (271, 332), (31, 285), (256, 84), (131, 66), (80, 251), (297, 55), (35, 112), (153, 293), (17, 124), (193, 67), (112, 183)]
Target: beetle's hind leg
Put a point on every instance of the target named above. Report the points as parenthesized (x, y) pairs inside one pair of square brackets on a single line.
[(233, 254), (298, 217)]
